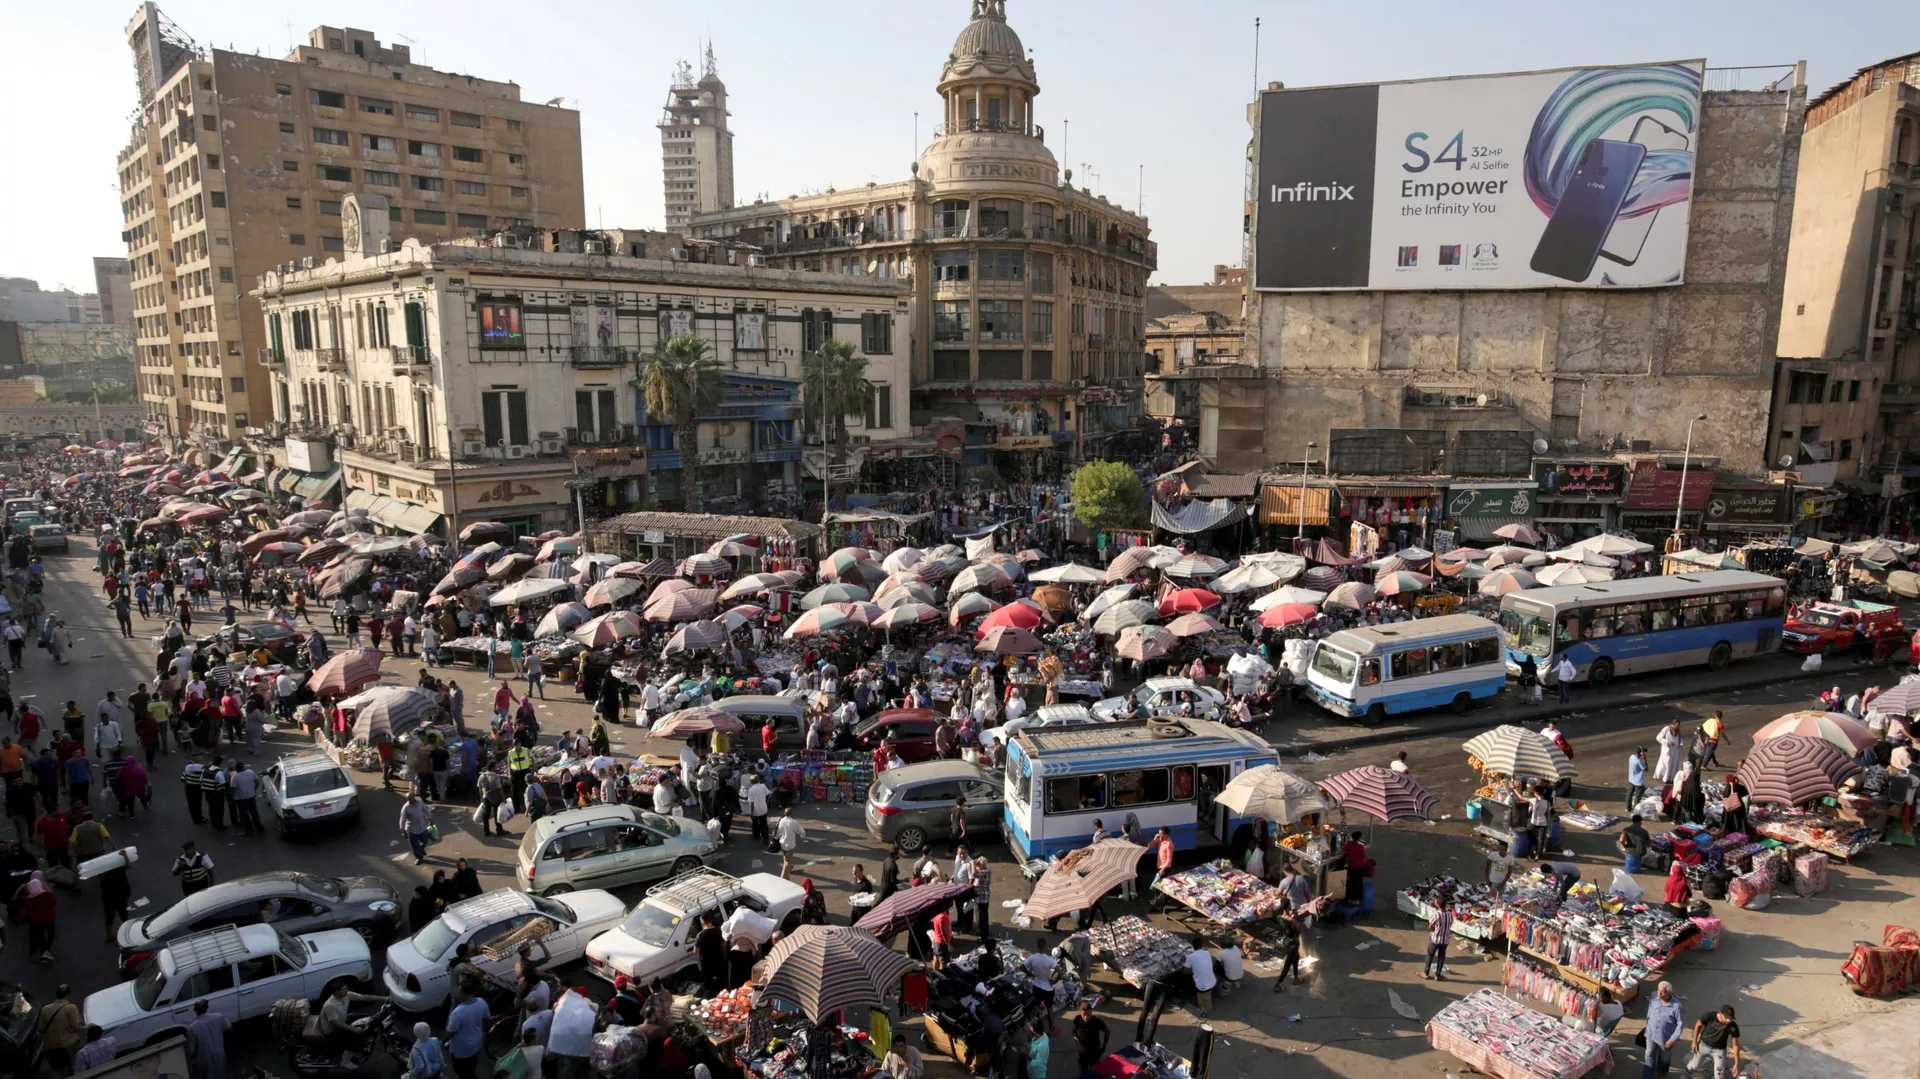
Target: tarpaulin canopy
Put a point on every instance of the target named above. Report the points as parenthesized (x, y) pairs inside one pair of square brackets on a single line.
[(393, 513), (1281, 505), (1199, 516)]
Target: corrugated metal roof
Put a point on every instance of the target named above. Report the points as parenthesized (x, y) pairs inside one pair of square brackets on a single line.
[(706, 524), (1223, 486)]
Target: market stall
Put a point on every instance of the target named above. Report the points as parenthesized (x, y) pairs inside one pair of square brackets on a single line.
[(1505, 1038), (1510, 761), (1222, 894), (1831, 836), (1595, 940), (1138, 950), (1478, 909), (964, 1022)]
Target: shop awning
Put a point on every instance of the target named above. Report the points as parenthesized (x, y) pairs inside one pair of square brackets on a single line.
[(1281, 505), (1200, 516), (314, 485), (393, 513), (281, 479)]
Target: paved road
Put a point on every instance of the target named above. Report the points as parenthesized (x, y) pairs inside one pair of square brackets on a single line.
[(1789, 956)]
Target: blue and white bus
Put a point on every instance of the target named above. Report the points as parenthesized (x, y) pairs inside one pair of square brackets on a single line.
[(1612, 628), (1166, 772), (1368, 673)]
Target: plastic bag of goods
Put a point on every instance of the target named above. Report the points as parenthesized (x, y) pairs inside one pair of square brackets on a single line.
[(1746, 890), (616, 1049), (746, 923), (1625, 887)]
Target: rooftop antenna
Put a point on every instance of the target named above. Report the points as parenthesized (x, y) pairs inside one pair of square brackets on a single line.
[(289, 25), (1256, 54), (413, 48), (1140, 193)]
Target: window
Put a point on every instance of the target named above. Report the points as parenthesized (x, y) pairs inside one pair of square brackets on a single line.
[(880, 406), (217, 199), (471, 221), (952, 265), (584, 409), (327, 136), (329, 98), (516, 159), (952, 321), (336, 173), (500, 325), (429, 217), (1448, 657), (422, 112), (1001, 217), (503, 415), (513, 125), (1807, 387), (394, 214), (303, 330), (329, 208), (469, 153), (429, 183), (423, 149), (950, 217), (238, 384), (332, 243), (467, 119), (876, 336), (226, 275), (1042, 275), (1002, 264), (1142, 787), (217, 980), (816, 328), (376, 106), (283, 90), (1846, 449), (517, 192), (376, 178), (286, 128), (1483, 650), (1000, 320), (1072, 794), (382, 143), (1411, 663), (1853, 390), (213, 162), (1042, 322), (468, 187), (289, 166), (297, 238)]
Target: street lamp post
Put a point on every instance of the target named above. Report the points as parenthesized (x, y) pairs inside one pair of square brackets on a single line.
[(1306, 461), (1685, 460)]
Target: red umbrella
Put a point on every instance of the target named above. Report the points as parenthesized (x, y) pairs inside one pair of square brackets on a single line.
[(203, 513), (1016, 615), (1287, 614), (262, 538), (1187, 601), (347, 672)]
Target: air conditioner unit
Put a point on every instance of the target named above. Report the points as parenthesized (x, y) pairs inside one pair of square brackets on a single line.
[(588, 438), (495, 453), (515, 453), (596, 247), (756, 260), (472, 447), (678, 254), (551, 445)]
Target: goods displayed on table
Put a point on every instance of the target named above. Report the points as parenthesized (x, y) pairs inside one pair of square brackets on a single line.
[(1508, 1039), (724, 1016), (1139, 951), (1544, 983), (1223, 893), (1837, 838), (1891, 967), (1476, 907), (969, 995), (1618, 949), (783, 1048), (1310, 842), (1588, 820), (1145, 1062)]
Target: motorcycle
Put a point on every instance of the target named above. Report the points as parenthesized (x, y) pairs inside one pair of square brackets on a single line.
[(310, 1055)]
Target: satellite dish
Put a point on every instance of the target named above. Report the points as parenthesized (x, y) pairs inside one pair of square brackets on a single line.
[(1540, 445), (1786, 461)]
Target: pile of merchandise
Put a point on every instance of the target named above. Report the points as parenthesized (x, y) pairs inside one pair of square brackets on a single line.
[(1223, 893), (1620, 949), (1476, 907), (725, 1015), (1503, 1037), (1837, 838), (1589, 820), (1139, 951), (780, 1049)]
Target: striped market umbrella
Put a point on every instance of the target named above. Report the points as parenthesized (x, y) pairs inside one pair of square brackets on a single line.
[(1289, 594), (392, 709), (262, 538), (702, 720), (1506, 580), (306, 517), (1902, 699), (486, 531), (283, 551), (564, 618), (681, 606), (1193, 625), (702, 636), (1379, 792), (1352, 594), (457, 578), (731, 549), (1081, 877), (346, 673), (903, 615), (1508, 555), (909, 592), (527, 591), (1106, 599), (558, 547), (607, 629), (822, 969), (476, 557), (611, 591), (832, 593), (967, 606), (734, 617), (817, 621), (1195, 565), (659, 567), (1009, 641), (893, 913), (903, 559), (1794, 769), (981, 578), (1401, 582), (668, 588), (704, 565), (1518, 532), (381, 545), (755, 583), (1322, 578), (841, 560), (939, 567), (1142, 643), (1131, 612), (342, 578), (1188, 600), (1844, 731), (511, 568), (1517, 751), (1270, 792), (1071, 573)]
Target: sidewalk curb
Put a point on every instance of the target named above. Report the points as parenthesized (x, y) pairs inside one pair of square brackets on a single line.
[(1455, 724)]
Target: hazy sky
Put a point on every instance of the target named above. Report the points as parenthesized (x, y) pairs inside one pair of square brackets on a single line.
[(824, 93)]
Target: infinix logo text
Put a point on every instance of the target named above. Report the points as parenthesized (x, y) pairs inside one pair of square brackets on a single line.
[(1310, 192)]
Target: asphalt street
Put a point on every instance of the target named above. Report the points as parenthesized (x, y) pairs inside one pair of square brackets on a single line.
[(1781, 965)]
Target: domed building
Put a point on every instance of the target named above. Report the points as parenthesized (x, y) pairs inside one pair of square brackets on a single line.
[(1029, 301)]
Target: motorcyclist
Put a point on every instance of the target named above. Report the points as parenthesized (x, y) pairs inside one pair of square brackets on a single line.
[(337, 1027)]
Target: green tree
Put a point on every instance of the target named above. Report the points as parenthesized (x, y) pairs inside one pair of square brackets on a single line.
[(682, 382), (833, 386), (1107, 494)]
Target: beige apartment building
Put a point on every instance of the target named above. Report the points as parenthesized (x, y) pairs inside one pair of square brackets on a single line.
[(1030, 292), (1846, 396), (696, 148), (237, 164), (498, 379)]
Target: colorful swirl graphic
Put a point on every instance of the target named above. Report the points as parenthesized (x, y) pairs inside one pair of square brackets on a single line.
[(1590, 102)]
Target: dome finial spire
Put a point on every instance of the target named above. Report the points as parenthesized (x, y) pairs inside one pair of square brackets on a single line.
[(990, 9)]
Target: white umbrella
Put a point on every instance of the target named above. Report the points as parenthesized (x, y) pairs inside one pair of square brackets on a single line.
[(530, 589), (1245, 578), (1105, 600), (1288, 594), (1584, 557), (1071, 573), (904, 558), (1269, 792), (981, 578), (1613, 546), (587, 561), (380, 545), (1561, 573)]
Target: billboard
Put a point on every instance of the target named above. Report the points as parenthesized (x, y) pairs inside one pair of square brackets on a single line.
[(1576, 178)]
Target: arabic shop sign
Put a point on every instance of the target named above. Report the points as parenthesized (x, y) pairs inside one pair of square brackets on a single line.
[(1502, 500), (1580, 479), (1745, 506), (1656, 488)]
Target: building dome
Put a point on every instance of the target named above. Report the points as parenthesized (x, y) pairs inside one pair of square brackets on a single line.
[(987, 45)]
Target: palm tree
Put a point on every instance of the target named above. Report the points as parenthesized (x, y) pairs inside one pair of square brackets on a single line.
[(683, 382), (833, 386)]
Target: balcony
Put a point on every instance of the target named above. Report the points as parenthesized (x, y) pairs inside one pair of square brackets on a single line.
[(947, 232), (269, 359), (407, 358), (330, 359), (990, 127), (599, 356), (802, 244)]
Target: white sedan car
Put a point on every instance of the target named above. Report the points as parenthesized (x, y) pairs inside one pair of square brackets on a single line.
[(308, 790), (1165, 697), (239, 972), (656, 939), (416, 970)]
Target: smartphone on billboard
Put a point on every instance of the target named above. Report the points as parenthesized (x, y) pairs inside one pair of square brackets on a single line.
[(1571, 242), (1629, 234)]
